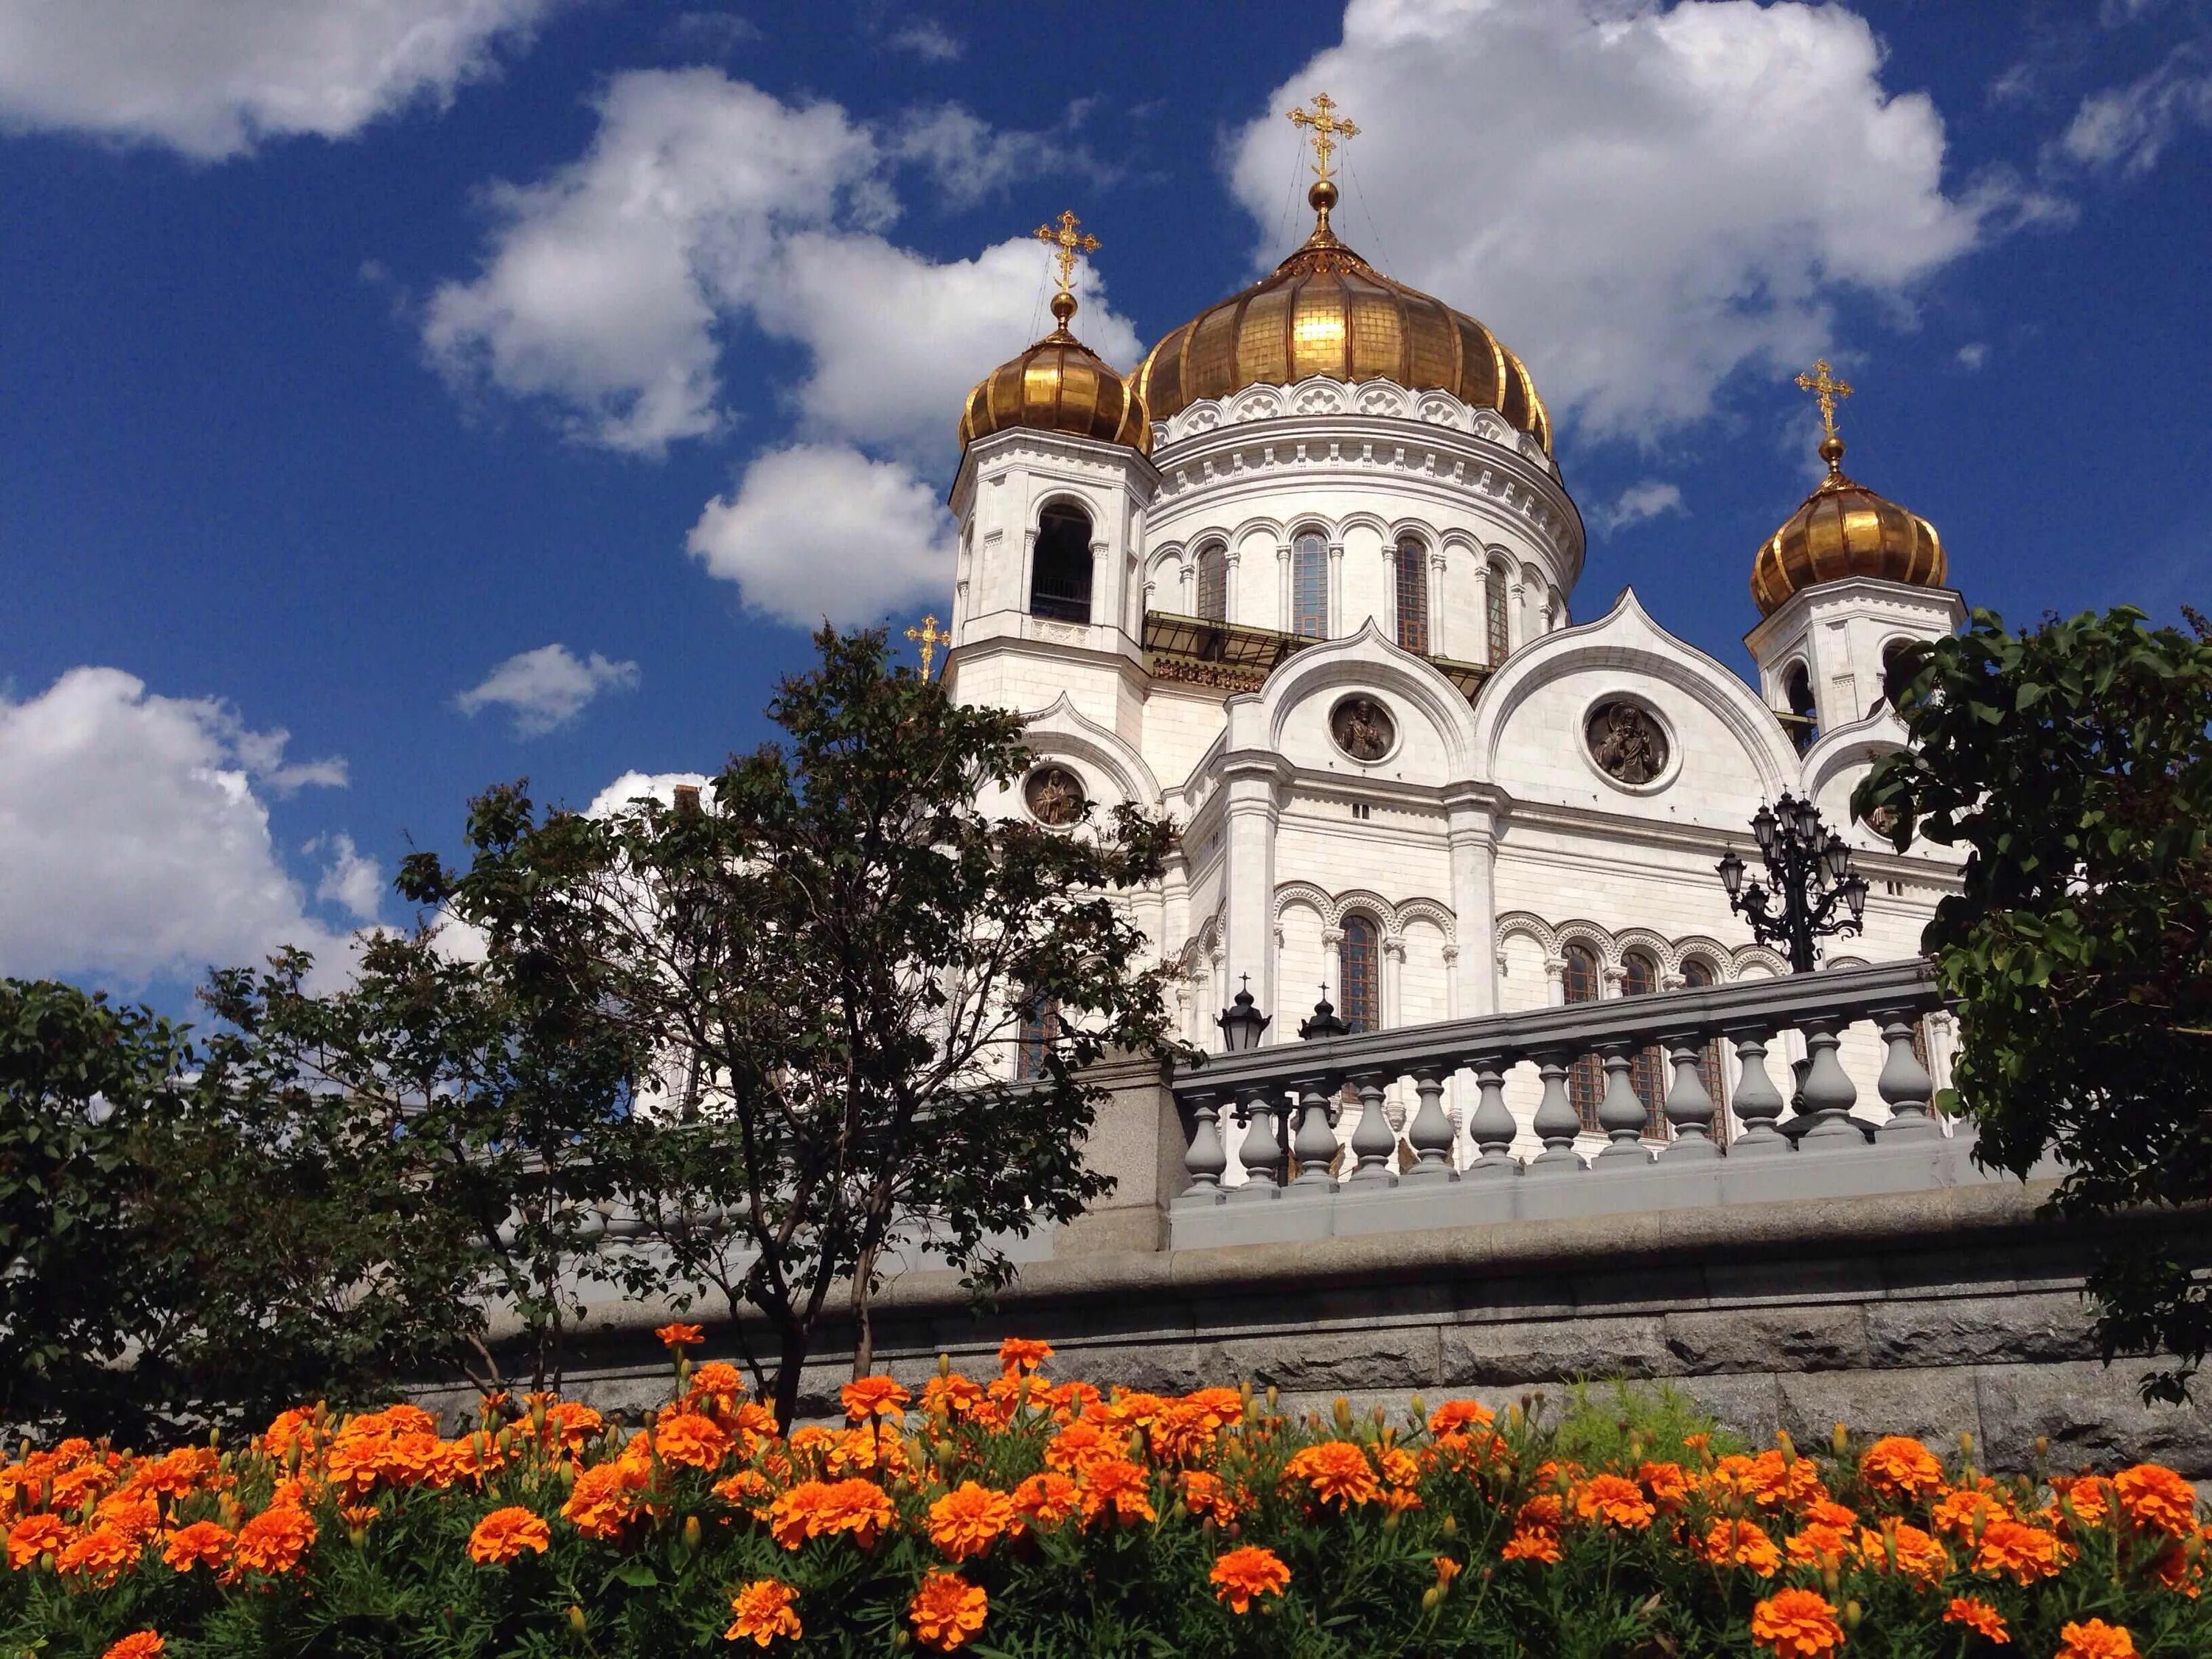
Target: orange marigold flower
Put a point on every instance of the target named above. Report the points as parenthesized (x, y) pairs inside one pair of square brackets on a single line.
[(2157, 1500), (274, 1540), (690, 1440), (2180, 1569), (1901, 1547), (680, 1336), (176, 1475), (2084, 1500), (568, 1425), (1048, 1499), (947, 1610), (719, 1377), (128, 1513), (866, 1397), (1897, 1466), (746, 1486), (1532, 1544), (1978, 1616), (1614, 1501), (1454, 1415), (2022, 1553), (139, 1644), (35, 1536), (1964, 1513), (1243, 1574), (1796, 1624), (816, 1509), (604, 1500), (103, 1554), (1115, 1482), (1080, 1444), (1446, 1570), (202, 1544), (1020, 1353), (1338, 1473), (1397, 1467), (968, 1519), (1206, 1495), (507, 1532), (955, 1396), (1667, 1483), (766, 1608), (1739, 1544), (1817, 1545), (2093, 1638)]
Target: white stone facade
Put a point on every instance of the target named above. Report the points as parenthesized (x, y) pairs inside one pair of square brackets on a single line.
[(1485, 839)]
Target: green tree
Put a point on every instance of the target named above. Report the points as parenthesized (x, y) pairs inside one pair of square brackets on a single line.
[(834, 960), (2074, 763)]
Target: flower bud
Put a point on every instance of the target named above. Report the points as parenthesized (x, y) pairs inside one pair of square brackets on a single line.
[(1840, 1441), (944, 1364), (1342, 1412), (357, 1534), (899, 1639), (1417, 1409), (2042, 1445), (576, 1619), (1830, 1579), (1390, 1521), (1275, 1396), (1852, 1613), (1429, 1597), (1966, 1444), (1786, 1446), (690, 1532), (1448, 1526)]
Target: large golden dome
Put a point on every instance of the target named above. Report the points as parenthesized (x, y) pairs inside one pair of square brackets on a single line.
[(1059, 385), (1326, 311), (1844, 529)]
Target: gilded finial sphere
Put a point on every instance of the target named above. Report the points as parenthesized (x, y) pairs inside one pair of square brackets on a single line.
[(1844, 529)]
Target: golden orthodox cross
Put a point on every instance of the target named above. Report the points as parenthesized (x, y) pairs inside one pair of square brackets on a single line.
[(1821, 383), (1326, 128), (929, 636), (1070, 242)]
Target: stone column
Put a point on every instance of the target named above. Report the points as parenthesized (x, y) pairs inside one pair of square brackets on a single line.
[(1249, 878), (1336, 628), (1436, 646), (1471, 835), (1283, 569)]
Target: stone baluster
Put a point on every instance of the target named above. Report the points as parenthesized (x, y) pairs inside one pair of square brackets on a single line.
[(1556, 1124), (1689, 1106), (1316, 1142), (1430, 1134), (1373, 1143), (1204, 1159), (1828, 1092), (1620, 1113), (1905, 1084), (1491, 1126), (1259, 1150), (1758, 1102)]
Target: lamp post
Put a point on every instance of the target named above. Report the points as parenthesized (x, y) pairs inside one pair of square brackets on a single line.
[(1242, 1021), (1813, 878)]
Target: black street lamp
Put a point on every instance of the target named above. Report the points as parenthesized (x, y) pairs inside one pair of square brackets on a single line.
[(1242, 1021), (1811, 869), (1324, 1025)]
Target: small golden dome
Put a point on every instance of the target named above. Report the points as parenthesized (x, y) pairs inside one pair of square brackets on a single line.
[(1059, 385), (1326, 311), (1844, 529)]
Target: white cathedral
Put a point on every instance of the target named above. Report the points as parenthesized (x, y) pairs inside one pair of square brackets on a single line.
[(1304, 583)]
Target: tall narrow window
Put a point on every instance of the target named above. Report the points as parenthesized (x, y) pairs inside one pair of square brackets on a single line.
[(1413, 595), (1309, 586), (1060, 574), (1585, 1078), (1493, 607), (1697, 972), (1797, 686), (1040, 1029), (1647, 1069), (1213, 582), (1360, 974)]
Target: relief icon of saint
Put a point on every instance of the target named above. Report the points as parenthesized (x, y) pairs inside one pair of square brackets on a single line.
[(1362, 729), (1628, 743)]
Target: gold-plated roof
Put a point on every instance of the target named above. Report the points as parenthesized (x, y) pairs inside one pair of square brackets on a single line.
[(1059, 385), (1844, 529), (1326, 311)]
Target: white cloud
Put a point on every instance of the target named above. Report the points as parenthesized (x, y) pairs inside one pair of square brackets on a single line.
[(1651, 499), (212, 78), (968, 159), (632, 785), (135, 842), (1973, 353), (927, 39), (1641, 199), (820, 531), (547, 688), (2129, 127), (351, 879)]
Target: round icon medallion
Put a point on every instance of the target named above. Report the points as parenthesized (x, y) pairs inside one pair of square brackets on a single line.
[(1627, 741), (1053, 795), (1363, 728)]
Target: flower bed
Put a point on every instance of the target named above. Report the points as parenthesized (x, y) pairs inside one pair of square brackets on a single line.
[(1024, 1517)]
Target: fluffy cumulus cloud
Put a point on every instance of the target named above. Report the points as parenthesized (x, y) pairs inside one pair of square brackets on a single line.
[(545, 688), (1653, 498), (642, 785), (1642, 199), (211, 78), (135, 840), (822, 531), (2127, 128)]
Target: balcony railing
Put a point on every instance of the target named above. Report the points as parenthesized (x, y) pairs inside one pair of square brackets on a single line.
[(1802, 1137)]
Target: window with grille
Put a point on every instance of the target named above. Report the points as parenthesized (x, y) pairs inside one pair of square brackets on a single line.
[(1040, 1029), (1310, 587), (1213, 582), (1060, 570), (1585, 1078), (1647, 1069), (1413, 595), (1493, 603), (1698, 972), (1360, 974)]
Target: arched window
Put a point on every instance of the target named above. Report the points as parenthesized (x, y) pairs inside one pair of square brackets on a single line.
[(1647, 1068), (1040, 1029), (1697, 972), (1060, 572), (1413, 595), (1309, 586), (1213, 582), (1493, 606), (1360, 974), (1586, 1077), (1797, 686)]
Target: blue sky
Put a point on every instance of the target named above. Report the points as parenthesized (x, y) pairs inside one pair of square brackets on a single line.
[(346, 357)]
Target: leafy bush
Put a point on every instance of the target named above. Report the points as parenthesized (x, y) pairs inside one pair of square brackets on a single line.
[(1026, 1518)]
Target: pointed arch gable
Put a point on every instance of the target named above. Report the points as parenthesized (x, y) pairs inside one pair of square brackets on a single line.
[(1063, 729), (1370, 660)]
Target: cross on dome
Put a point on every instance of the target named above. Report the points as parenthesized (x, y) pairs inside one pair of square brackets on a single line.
[(1820, 381), (1070, 243), (1326, 128)]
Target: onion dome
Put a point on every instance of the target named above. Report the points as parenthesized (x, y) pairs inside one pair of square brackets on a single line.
[(1843, 528), (1059, 385), (1326, 310)]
